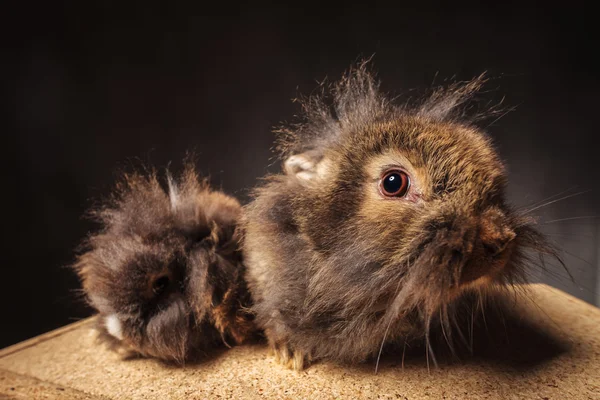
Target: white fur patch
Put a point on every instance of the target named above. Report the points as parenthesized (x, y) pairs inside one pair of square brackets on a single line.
[(173, 192), (113, 326)]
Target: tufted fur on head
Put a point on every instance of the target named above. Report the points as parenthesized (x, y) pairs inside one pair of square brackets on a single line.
[(336, 266), (164, 270)]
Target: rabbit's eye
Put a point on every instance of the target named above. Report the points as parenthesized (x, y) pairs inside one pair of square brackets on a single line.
[(160, 285), (394, 183)]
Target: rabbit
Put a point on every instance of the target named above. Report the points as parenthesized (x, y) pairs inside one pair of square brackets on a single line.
[(164, 271), (383, 218)]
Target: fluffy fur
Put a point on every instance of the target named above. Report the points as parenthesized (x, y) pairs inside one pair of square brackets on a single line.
[(335, 269), (164, 271)]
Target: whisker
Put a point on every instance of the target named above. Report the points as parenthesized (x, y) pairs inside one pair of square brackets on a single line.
[(560, 279), (564, 295), (579, 258), (548, 198), (429, 349), (554, 274), (502, 115), (445, 323), (403, 353), (568, 235), (525, 293), (472, 327), (503, 319), (555, 201), (461, 335), (427, 353), (581, 288), (386, 331), (481, 307), (542, 265), (548, 249), (382, 343), (571, 268), (433, 359), (569, 219)]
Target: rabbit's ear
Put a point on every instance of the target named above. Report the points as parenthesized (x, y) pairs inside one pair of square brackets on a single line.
[(308, 167)]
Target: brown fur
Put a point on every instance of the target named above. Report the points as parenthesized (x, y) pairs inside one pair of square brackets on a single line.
[(165, 270), (335, 269)]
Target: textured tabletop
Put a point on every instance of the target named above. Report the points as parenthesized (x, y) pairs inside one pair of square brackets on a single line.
[(551, 351)]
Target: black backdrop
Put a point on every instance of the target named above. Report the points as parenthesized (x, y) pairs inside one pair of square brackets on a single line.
[(91, 89)]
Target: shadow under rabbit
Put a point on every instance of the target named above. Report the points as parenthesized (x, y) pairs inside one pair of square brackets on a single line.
[(505, 339)]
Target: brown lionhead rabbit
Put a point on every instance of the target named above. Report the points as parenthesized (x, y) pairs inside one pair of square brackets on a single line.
[(384, 216), (164, 271)]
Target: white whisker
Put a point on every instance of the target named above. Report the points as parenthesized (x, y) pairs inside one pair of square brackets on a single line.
[(403, 353), (555, 201), (569, 219), (386, 331), (381, 347), (471, 332), (568, 235), (535, 203)]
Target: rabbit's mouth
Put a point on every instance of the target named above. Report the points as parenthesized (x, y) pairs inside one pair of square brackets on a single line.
[(484, 268), (463, 249), (446, 274)]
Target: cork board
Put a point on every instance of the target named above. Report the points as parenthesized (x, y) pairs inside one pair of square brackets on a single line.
[(551, 351)]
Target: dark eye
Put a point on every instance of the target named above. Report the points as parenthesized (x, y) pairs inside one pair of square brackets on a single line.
[(394, 183), (160, 285)]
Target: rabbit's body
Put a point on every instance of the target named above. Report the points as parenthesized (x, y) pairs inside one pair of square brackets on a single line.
[(336, 265), (165, 271)]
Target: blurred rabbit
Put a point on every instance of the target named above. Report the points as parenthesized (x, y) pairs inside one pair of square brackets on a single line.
[(164, 271)]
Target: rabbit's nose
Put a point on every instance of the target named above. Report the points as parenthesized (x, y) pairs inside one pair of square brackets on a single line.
[(492, 238), (495, 234)]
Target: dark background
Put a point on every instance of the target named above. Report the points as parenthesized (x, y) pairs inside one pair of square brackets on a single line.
[(92, 89)]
